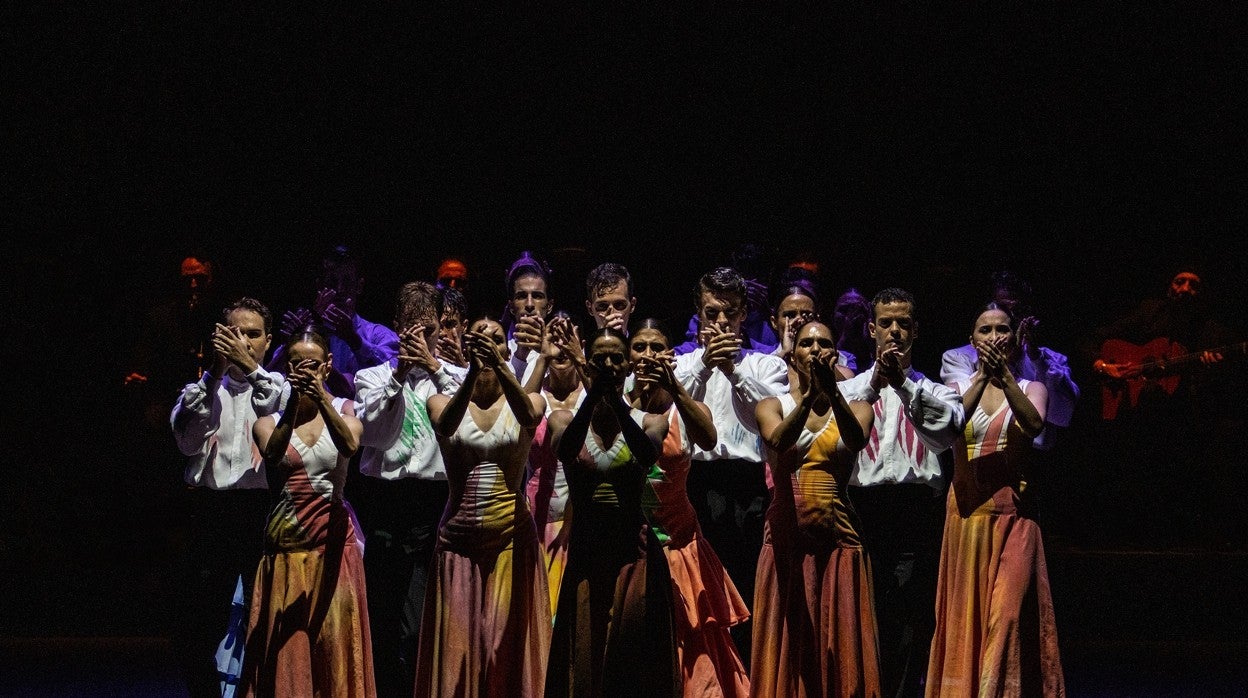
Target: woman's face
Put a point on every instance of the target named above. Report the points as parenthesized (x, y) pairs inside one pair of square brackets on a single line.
[(813, 339), (648, 342), (309, 354), (609, 357), (993, 327), (491, 329)]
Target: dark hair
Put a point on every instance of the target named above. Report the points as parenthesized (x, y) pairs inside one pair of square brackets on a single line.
[(486, 317), (842, 300), (454, 299), (606, 276), (993, 305), (605, 332), (720, 281), (794, 274), (255, 306), (417, 301), (894, 295), (795, 288), (309, 333), (650, 323), (526, 265)]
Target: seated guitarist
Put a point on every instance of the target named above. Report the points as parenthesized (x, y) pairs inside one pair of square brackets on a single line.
[(1172, 410), (1163, 341)]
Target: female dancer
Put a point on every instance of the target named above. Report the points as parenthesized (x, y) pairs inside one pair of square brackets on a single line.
[(814, 620), (613, 626), (308, 633), (995, 633), (486, 627), (704, 600), (558, 376)]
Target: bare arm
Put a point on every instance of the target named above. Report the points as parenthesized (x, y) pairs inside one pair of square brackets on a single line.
[(446, 413), (696, 415)]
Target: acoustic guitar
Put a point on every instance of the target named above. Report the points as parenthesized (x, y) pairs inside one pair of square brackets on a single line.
[(1128, 367)]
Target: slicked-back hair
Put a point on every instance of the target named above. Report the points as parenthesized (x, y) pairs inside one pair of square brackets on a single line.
[(793, 288), (605, 277), (993, 305), (418, 301), (255, 306), (526, 265), (651, 323), (311, 333), (720, 281), (605, 332), (894, 295)]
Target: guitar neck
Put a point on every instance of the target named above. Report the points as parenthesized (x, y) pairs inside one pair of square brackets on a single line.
[(1175, 363)]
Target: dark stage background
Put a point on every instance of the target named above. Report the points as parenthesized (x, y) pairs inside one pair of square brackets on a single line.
[(1093, 147)]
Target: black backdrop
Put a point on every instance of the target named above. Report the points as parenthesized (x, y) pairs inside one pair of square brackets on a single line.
[(1092, 146)]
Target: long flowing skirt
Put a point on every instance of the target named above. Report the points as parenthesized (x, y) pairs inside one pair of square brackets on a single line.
[(308, 633), (814, 625), (995, 629), (487, 623)]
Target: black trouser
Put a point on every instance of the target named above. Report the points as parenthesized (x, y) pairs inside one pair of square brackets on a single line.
[(400, 519), (901, 531), (224, 539), (730, 497)]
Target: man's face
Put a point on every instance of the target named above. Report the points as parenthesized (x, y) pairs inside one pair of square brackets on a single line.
[(452, 325), (1185, 284), (528, 297), (612, 307), (252, 326), (724, 312), (894, 326)]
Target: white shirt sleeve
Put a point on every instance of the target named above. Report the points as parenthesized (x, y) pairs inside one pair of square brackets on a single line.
[(935, 410)]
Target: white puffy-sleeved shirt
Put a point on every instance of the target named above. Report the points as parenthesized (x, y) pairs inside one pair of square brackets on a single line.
[(523, 368), (732, 398), (213, 428), (913, 426), (398, 439), (957, 365)]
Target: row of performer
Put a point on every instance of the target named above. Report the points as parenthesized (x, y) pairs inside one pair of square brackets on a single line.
[(532, 512)]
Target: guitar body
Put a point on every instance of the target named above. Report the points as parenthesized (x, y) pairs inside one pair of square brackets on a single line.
[(1154, 353)]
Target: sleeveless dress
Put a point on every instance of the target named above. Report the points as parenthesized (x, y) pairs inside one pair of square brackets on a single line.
[(814, 617), (486, 626), (995, 631), (308, 633), (546, 491), (704, 600), (613, 629)]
